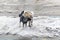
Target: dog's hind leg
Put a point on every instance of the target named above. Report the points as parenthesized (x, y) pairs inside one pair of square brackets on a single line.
[(29, 23)]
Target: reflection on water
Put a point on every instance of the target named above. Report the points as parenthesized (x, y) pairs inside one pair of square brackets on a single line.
[(8, 37), (15, 37), (54, 16), (46, 38)]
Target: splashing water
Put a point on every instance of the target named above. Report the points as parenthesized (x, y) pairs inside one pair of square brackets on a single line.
[(42, 26)]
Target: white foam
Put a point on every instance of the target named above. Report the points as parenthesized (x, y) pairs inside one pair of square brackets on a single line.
[(42, 26)]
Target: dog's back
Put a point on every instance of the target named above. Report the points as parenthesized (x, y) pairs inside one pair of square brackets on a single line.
[(28, 14)]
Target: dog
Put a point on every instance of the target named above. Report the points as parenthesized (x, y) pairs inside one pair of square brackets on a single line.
[(26, 17)]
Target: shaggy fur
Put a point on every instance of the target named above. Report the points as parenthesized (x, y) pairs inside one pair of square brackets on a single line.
[(26, 17)]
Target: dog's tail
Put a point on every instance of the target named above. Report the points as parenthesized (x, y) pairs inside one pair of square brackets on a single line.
[(21, 14)]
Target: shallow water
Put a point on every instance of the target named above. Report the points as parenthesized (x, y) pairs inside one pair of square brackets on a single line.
[(33, 33), (16, 37)]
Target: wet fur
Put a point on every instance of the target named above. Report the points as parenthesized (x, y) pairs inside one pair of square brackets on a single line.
[(26, 17)]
